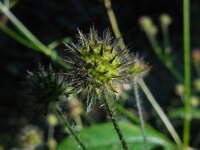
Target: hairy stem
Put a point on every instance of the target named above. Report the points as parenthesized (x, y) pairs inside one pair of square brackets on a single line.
[(139, 107), (146, 90), (67, 125), (187, 71), (114, 121)]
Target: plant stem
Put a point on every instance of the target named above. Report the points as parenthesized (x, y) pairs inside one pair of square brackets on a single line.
[(40, 47), (146, 90), (113, 22), (114, 121), (139, 107), (165, 31), (161, 114), (161, 56), (187, 71), (17, 37), (131, 116), (67, 125)]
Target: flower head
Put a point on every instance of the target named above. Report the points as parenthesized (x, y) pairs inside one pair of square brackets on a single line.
[(98, 63), (46, 86), (148, 26), (165, 20)]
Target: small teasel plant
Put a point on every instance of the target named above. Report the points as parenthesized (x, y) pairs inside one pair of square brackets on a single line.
[(47, 86), (98, 65)]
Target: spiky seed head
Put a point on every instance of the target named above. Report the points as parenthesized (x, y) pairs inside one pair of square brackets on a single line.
[(97, 63), (45, 86)]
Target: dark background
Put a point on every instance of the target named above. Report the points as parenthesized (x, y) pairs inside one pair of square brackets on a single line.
[(50, 20)]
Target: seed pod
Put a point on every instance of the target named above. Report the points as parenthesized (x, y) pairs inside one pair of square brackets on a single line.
[(45, 86)]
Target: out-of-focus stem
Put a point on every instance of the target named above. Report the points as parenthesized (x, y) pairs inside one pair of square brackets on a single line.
[(113, 22), (187, 72), (139, 107), (161, 114)]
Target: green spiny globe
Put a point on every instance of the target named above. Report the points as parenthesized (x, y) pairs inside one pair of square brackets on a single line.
[(97, 63)]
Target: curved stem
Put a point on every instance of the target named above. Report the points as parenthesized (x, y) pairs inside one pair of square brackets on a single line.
[(66, 124), (114, 121), (139, 107)]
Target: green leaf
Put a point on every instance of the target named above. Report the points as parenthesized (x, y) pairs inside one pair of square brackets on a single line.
[(179, 113), (103, 137)]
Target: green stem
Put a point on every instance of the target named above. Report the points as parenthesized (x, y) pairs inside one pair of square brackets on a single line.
[(17, 37), (161, 56), (139, 107), (34, 41), (187, 71), (150, 97), (67, 125), (165, 31), (115, 124), (161, 114), (113, 22)]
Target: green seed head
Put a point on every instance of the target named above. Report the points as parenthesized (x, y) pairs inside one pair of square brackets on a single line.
[(97, 63)]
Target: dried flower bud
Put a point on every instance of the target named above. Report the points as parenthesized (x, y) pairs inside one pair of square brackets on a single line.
[(148, 26), (165, 20), (179, 89), (196, 56), (52, 120), (46, 86)]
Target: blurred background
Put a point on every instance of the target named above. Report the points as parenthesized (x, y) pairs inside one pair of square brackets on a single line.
[(51, 20)]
